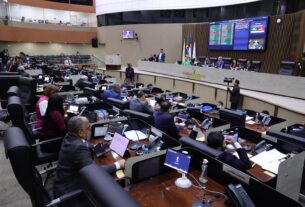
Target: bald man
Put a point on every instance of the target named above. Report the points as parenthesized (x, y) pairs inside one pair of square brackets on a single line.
[(75, 153)]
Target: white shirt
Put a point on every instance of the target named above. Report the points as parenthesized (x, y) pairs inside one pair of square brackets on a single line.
[(43, 105), (160, 56)]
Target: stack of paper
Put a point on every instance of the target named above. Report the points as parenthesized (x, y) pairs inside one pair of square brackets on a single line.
[(269, 160), (135, 135)]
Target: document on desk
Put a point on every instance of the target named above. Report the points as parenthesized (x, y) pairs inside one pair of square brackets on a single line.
[(135, 135), (250, 122), (248, 118), (269, 160)]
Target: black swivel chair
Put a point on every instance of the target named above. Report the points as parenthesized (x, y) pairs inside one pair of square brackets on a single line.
[(118, 103), (18, 116), (242, 63), (256, 66), (19, 152), (27, 91), (100, 188), (286, 67), (227, 61), (148, 118)]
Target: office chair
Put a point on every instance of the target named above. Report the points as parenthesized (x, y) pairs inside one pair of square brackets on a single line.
[(19, 152), (286, 67), (155, 91), (256, 66), (118, 103), (147, 118), (227, 61), (27, 91), (100, 191), (242, 63), (18, 117)]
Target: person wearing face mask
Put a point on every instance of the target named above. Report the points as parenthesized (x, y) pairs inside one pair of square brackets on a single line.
[(141, 104), (217, 141), (75, 153)]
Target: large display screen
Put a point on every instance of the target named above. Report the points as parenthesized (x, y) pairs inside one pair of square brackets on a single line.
[(239, 34)]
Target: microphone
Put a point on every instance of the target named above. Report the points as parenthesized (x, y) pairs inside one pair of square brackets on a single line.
[(135, 145), (82, 111), (124, 129)]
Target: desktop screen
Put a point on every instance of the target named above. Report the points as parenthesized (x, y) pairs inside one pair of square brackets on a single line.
[(128, 34), (239, 34), (100, 131), (119, 144), (73, 108), (177, 160)]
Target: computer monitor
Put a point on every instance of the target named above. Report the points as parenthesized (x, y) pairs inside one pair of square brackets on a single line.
[(235, 118), (119, 144), (100, 131), (177, 160), (73, 109)]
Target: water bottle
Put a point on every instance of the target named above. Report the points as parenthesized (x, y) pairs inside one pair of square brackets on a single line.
[(235, 137), (204, 169), (256, 118)]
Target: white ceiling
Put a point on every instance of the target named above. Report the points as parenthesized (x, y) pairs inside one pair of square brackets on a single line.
[(113, 6)]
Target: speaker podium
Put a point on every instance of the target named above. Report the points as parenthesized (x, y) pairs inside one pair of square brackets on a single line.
[(113, 62)]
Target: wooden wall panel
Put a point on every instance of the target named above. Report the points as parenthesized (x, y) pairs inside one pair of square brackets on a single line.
[(16, 34), (285, 41)]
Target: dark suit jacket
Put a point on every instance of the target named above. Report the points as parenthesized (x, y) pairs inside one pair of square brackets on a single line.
[(137, 105), (165, 122), (74, 154), (129, 72), (234, 98), (243, 163)]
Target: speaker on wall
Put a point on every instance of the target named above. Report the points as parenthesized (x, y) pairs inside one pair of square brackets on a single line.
[(94, 42)]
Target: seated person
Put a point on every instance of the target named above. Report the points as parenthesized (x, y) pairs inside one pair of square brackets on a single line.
[(75, 153), (79, 84), (217, 141), (115, 92), (187, 60), (220, 105), (42, 104), (141, 104), (126, 84), (220, 63), (54, 122), (207, 61), (234, 65), (164, 121), (248, 65)]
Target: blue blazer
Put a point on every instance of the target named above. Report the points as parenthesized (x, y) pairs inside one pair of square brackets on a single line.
[(165, 122)]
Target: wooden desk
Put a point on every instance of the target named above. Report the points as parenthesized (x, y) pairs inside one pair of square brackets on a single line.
[(257, 127), (160, 191)]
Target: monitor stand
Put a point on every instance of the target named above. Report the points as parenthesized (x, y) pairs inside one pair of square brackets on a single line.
[(183, 182)]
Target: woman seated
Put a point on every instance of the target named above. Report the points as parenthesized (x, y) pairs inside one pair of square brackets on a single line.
[(54, 122), (42, 104), (234, 65)]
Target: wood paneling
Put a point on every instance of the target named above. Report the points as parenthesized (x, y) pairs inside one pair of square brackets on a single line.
[(285, 41), (19, 34), (55, 5)]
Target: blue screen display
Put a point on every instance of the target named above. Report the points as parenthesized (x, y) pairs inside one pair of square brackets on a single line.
[(177, 160), (239, 34)]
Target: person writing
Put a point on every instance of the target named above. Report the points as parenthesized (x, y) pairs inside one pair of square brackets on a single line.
[(234, 95), (217, 141), (75, 153)]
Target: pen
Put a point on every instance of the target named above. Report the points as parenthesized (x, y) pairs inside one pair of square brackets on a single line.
[(253, 165)]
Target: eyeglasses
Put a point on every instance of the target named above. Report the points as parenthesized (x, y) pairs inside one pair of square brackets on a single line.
[(87, 129)]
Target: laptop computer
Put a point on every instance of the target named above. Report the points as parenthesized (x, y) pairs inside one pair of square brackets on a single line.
[(119, 144), (73, 109)]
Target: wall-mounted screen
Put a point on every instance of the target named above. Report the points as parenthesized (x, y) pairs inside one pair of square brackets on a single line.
[(128, 34), (239, 34)]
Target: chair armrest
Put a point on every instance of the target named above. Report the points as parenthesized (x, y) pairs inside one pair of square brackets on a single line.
[(64, 197), (47, 141), (49, 169)]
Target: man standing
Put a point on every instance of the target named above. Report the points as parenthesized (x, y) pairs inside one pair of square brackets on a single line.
[(75, 153), (161, 56), (141, 104), (235, 95), (129, 72)]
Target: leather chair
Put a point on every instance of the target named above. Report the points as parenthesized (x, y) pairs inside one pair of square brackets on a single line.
[(17, 114), (256, 66), (100, 188), (19, 152), (147, 118), (27, 91), (286, 67), (242, 63), (200, 146), (12, 91), (92, 92), (118, 103), (227, 62)]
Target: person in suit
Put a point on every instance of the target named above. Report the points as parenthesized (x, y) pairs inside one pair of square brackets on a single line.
[(115, 92), (129, 72), (161, 56), (234, 95), (220, 63), (234, 65), (141, 104), (217, 141), (75, 153), (248, 65), (164, 121)]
